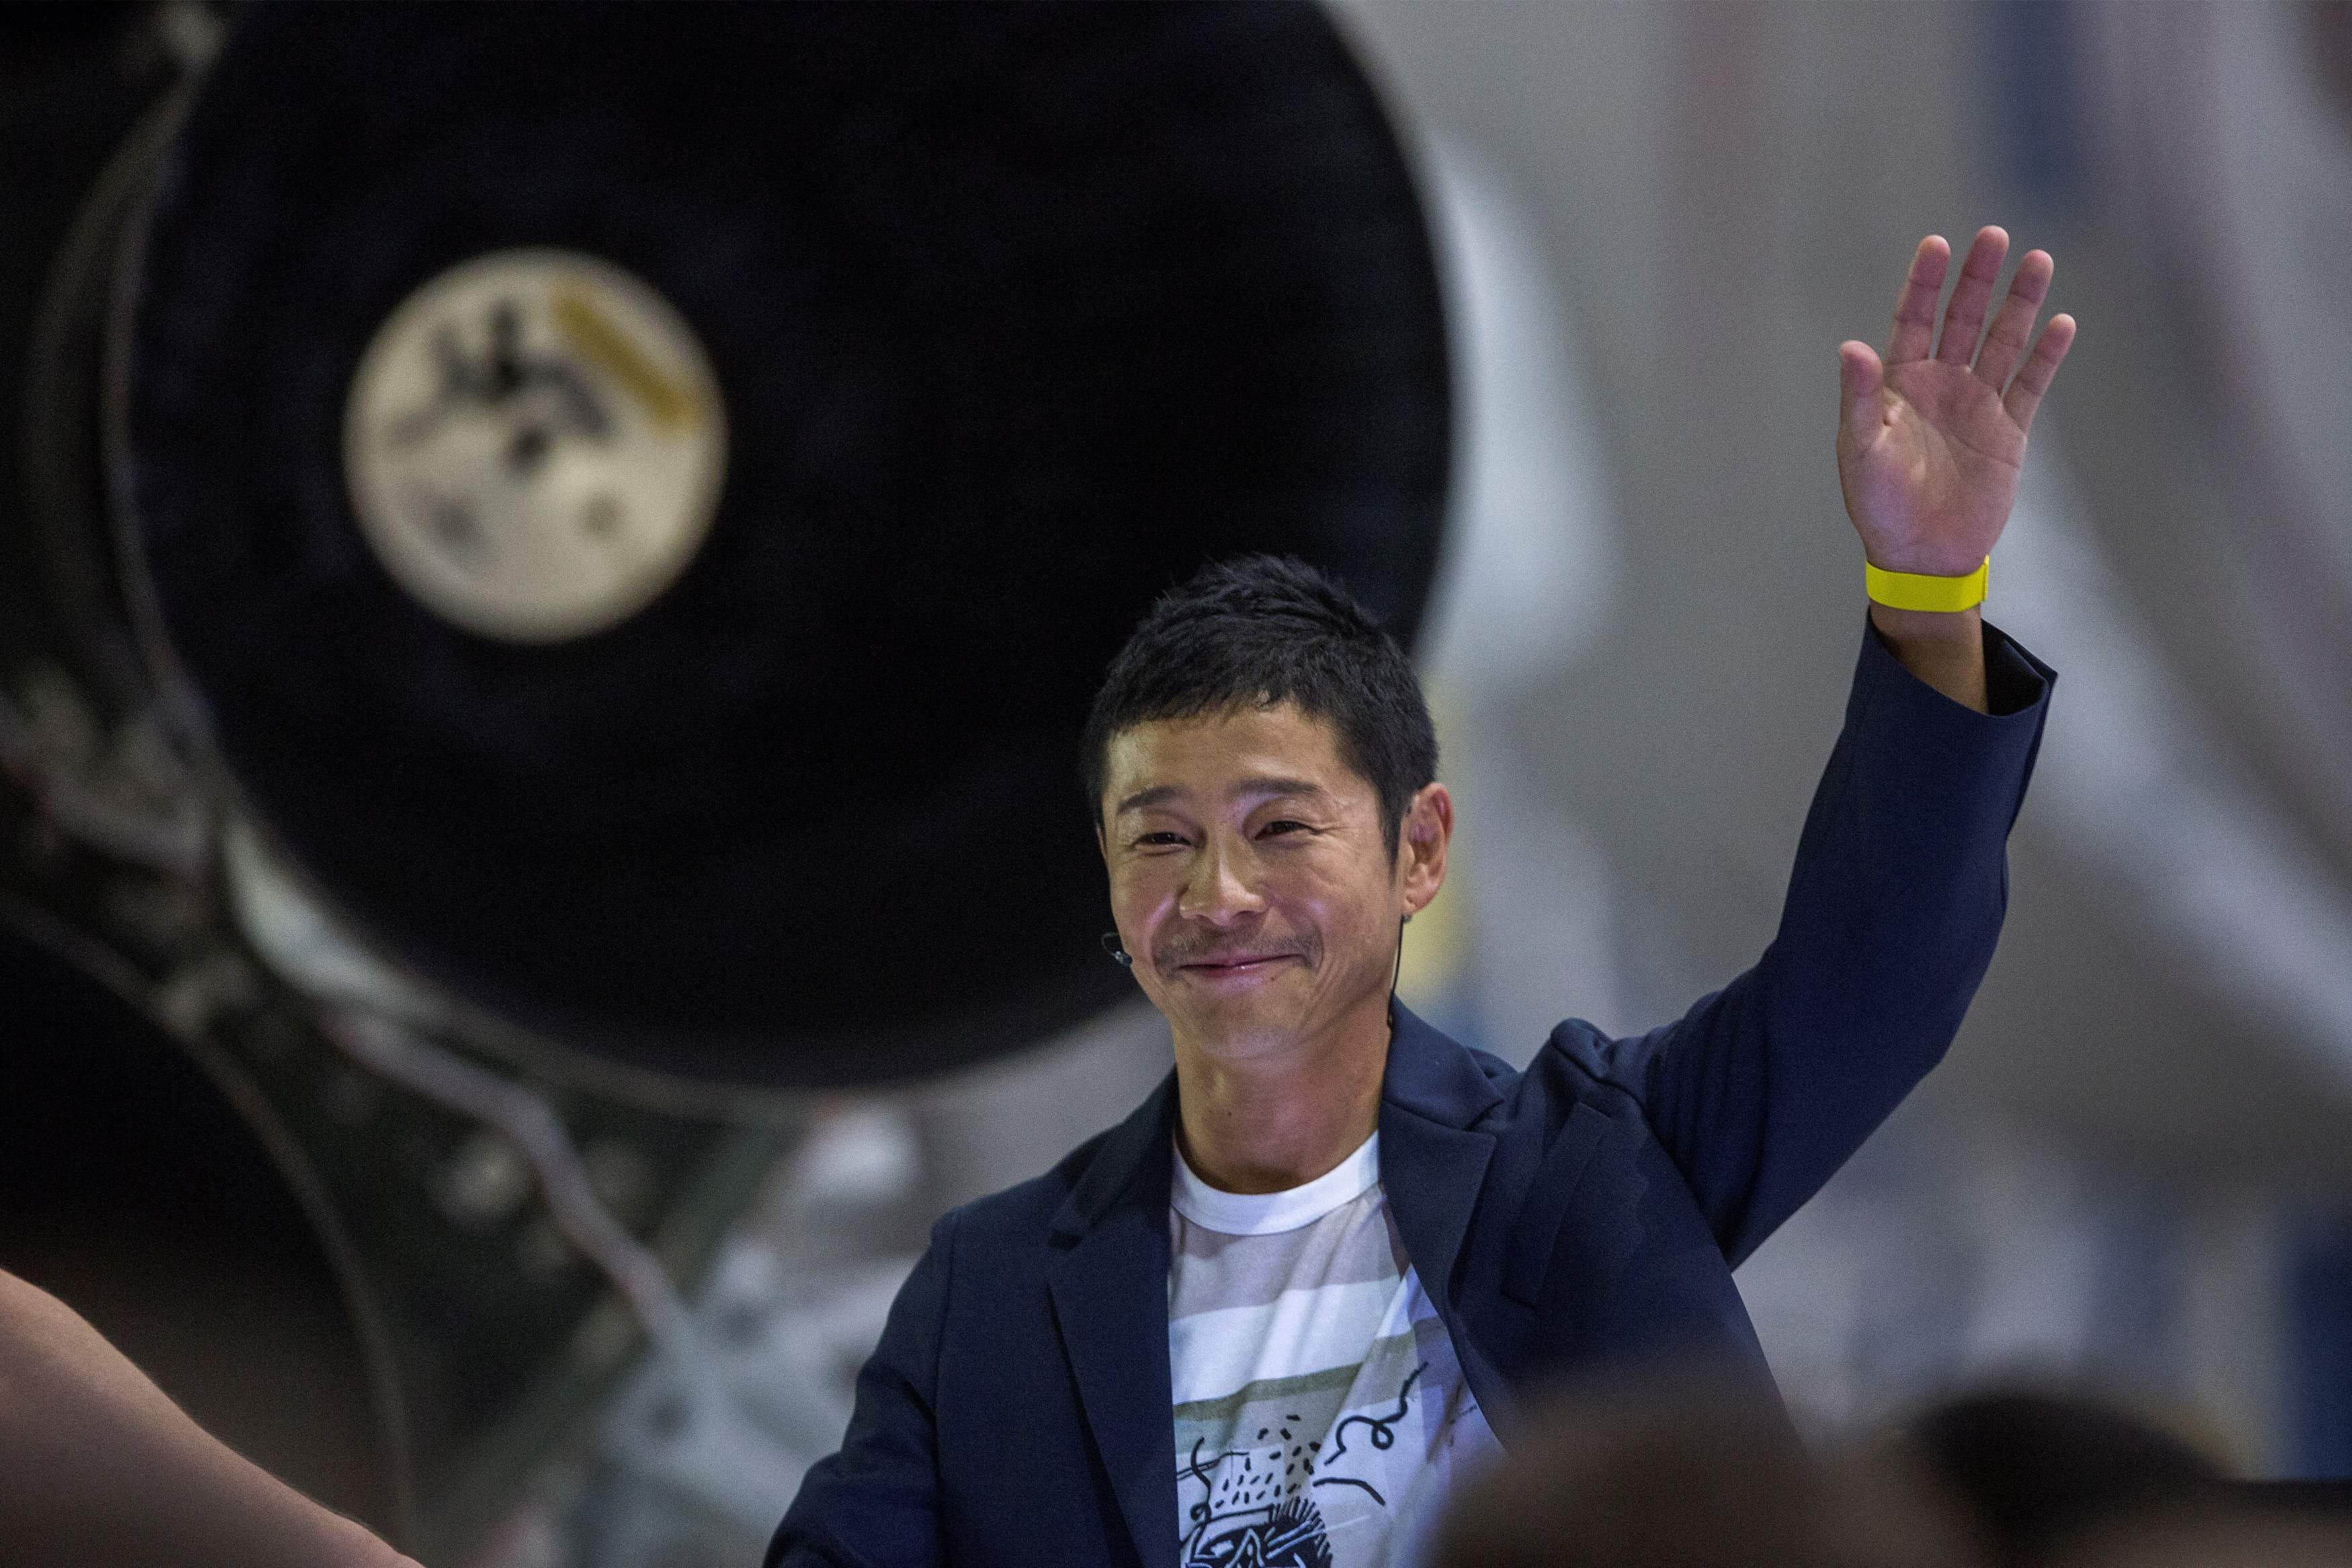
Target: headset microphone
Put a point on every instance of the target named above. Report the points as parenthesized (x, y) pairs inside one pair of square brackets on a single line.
[(1120, 955)]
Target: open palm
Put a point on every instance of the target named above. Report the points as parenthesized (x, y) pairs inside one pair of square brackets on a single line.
[(1929, 447)]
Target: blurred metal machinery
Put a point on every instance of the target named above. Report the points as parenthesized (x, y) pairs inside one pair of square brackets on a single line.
[(546, 599), (567, 476)]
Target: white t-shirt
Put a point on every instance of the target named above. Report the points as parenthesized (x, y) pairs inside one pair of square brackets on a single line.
[(1320, 1413)]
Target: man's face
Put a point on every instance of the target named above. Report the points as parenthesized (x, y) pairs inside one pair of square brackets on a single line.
[(1250, 878)]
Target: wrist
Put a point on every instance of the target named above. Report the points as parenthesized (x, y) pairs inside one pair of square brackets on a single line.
[(1961, 627), (1916, 588), (1943, 648)]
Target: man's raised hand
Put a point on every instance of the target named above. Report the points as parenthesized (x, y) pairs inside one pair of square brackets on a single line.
[(1929, 445)]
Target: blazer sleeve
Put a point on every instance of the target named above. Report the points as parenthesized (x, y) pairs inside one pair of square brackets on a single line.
[(1761, 1091), (876, 1503)]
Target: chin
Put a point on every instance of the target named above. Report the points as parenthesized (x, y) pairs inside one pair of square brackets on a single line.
[(1241, 1031)]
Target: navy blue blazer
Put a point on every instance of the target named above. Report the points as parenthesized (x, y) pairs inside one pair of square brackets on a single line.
[(1588, 1210)]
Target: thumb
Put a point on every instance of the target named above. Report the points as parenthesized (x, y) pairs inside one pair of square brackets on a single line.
[(1860, 377)]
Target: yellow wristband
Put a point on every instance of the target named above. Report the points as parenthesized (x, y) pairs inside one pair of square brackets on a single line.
[(1917, 591)]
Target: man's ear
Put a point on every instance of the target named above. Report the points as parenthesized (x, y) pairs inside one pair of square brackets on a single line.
[(1427, 830)]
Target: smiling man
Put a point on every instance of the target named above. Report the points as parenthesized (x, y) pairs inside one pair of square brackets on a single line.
[(1264, 1319)]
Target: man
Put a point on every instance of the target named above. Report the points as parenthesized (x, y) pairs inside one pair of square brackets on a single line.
[(1264, 1319)]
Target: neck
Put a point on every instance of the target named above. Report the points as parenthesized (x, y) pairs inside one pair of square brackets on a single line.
[(1273, 1120)]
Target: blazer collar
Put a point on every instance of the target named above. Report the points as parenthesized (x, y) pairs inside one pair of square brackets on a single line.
[(1429, 1075), (1432, 1075), (1133, 1166)]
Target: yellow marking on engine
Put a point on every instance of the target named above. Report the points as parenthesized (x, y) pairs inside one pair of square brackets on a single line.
[(667, 403)]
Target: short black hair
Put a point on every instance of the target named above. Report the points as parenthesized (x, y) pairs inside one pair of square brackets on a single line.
[(1263, 630)]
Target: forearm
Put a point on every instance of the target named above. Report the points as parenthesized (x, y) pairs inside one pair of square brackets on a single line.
[(98, 1465), (1943, 648), (1894, 907), (1894, 902)]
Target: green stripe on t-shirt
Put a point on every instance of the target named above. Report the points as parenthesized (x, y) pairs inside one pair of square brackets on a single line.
[(1280, 1388)]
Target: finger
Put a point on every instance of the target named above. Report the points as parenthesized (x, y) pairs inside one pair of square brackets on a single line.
[(1914, 303), (1860, 376), (2025, 392), (1964, 318), (2006, 342)]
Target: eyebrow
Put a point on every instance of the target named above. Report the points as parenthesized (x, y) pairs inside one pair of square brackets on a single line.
[(1158, 793)]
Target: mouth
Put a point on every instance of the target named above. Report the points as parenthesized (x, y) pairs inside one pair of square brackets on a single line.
[(1238, 968)]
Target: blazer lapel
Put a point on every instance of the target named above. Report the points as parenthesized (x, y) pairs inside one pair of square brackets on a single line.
[(1432, 1167), (1431, 1164), (1108, 1278)]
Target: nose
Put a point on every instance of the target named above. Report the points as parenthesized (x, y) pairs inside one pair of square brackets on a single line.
[(1220, 890)]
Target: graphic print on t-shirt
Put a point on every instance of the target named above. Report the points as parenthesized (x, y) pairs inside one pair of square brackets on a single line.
[(1318, 1406), (1264, 1510)]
